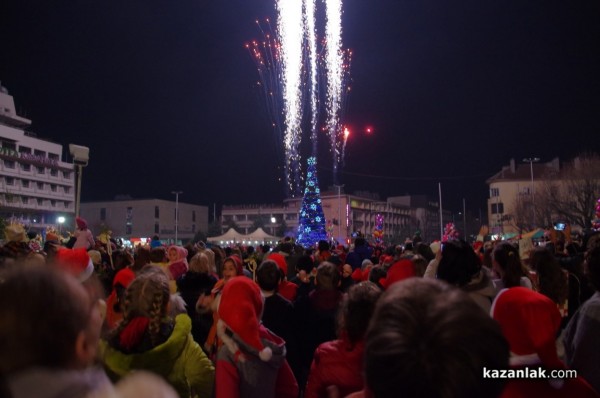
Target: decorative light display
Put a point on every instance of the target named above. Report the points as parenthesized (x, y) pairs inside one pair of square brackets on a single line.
[(311, 228), (378, 230), (596, 221), (450, 232)]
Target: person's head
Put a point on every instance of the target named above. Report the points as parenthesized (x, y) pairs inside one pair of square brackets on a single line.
[(268, 276), (592, 266), (529, 321), (281, 263), (122, 259), (158, 255), (323, 245), (357, 309), (305, 263), (507, 264), (146, 299), (551, 278), (200, 263), (420, 264), (232, 266), (81, 223), (328, 276), (240, 311), (459, 263), (346, 271), (48, 320), (376, 274), (176, 253), (358, 242), (429, 339), (141, 257)]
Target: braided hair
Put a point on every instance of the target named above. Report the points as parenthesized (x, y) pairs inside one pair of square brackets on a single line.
[(146, 299)]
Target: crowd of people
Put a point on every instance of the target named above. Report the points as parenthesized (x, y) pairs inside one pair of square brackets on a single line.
[(88, 318)]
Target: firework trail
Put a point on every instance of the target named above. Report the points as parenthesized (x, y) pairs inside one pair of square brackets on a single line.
[(290, 32), (334, 64), (311, 44), (265, 54), (292, 64)]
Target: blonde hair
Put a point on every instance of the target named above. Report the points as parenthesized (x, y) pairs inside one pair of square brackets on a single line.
[(200, 263), (147, 296)]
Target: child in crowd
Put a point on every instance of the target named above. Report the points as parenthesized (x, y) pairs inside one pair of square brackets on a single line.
[(316, 314), (149, 339), (251, 362), (83, 236), (232, 267), (340, 362), (178, 264)]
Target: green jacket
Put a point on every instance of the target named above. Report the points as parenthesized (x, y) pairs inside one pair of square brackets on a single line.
[(180, 360)]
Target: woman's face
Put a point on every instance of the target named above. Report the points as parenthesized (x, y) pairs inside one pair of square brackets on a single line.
[(229, 270)]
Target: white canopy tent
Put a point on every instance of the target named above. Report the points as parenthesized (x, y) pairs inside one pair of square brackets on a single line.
[(232, 236)]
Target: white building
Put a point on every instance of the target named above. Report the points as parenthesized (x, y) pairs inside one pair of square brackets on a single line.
[(36, 186), (141, 219)]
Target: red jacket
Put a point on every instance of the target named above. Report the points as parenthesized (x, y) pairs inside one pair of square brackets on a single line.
[(335, 364)]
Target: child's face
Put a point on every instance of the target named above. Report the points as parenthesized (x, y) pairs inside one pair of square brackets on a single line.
[(172, 255), (229, 270)]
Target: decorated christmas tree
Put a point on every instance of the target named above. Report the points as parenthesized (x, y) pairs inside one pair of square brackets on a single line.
[(311, 228)]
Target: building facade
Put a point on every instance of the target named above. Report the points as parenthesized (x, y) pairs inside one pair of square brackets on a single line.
[(346, 215), (513, 184), (141, 219), (37, 188)]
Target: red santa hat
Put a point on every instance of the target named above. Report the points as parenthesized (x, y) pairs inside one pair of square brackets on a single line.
[(81, 223), (240, 309), (237, 262), (400, 270), (529, 321), (280, 261), (75, 261)]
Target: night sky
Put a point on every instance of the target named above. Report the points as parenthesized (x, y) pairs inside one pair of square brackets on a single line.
[(164, 93)]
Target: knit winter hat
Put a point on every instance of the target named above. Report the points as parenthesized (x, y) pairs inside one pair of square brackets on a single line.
[(280, 261), (240, 310), (400, 270), (529, 321), (75, 261), (15, 233)]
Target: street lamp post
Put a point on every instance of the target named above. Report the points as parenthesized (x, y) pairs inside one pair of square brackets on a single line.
[(176, 193), (531, 161), (81, 156), (339, 187), (61, 220)]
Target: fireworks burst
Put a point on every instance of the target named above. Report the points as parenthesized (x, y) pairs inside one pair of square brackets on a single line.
[(291, 63)]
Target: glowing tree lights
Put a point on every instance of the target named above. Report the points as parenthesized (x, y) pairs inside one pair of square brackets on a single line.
[(311, 228)]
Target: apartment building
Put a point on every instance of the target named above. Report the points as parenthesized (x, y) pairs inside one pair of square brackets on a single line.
[(36, 186)]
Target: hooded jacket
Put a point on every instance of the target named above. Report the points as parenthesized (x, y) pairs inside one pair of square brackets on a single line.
[(180, 360), (336, 363), (247, 376)]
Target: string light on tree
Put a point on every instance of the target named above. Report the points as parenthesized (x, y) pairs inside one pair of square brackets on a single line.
[(311, 228)]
